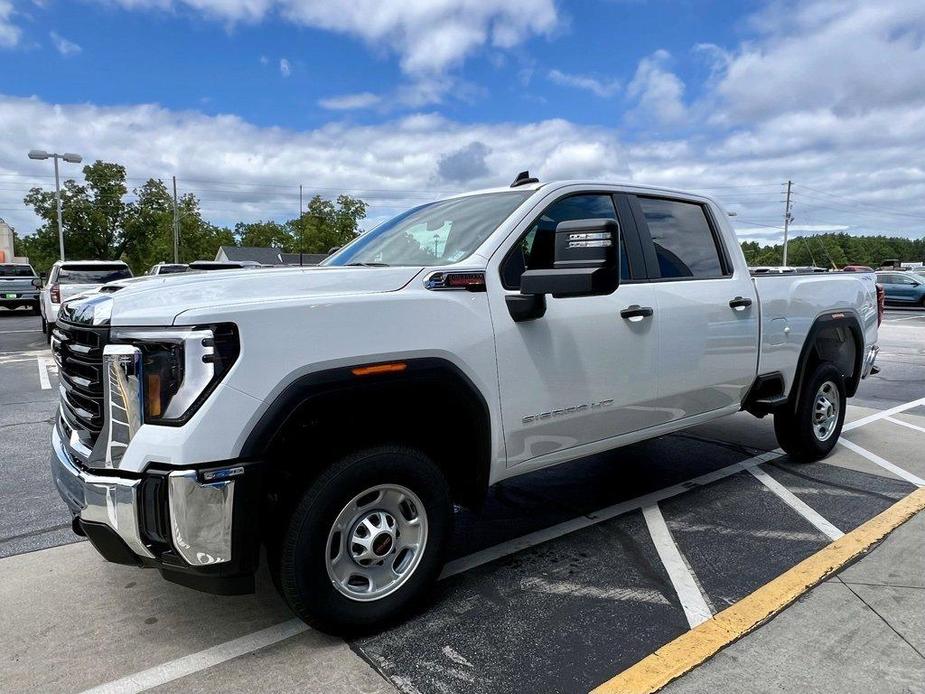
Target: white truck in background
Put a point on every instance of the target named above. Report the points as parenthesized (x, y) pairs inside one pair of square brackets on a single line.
[(335, 414), (68, 278)]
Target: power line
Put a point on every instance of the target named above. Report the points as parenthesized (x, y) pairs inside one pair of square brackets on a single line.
[(853, 201)]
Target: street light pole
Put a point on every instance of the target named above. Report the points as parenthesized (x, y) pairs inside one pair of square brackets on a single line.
[(68, 157), (58, 205)]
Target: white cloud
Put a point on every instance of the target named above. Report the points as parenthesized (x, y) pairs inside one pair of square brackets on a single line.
[(600, 87), (9, 32), (428, 35), (844, 56), (63, 46), (850, 144), (285, 69), (393, 164), (658, 92), (425, 91), (350, 102)]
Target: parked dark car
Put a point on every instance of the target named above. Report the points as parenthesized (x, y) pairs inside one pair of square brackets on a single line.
[(903, 287), (18, 286)]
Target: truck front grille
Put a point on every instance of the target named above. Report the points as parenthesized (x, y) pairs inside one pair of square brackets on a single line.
[(78, 351)]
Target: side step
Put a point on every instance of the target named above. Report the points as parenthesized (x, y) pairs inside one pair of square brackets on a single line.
[(772, 402)]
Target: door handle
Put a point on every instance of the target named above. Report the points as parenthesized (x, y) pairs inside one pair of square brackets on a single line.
[(740, 303), (636, 312)]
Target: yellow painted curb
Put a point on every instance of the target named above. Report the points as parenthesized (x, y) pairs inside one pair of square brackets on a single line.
[(697, 645)]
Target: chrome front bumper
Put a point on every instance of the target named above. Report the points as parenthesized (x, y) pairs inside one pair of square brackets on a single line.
[(200, 513)]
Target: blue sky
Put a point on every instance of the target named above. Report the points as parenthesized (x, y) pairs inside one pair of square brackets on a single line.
[(183, 60), (400, 100)]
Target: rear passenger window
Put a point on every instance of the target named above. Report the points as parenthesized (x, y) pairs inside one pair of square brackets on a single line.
[(684, 243), (536, 247)]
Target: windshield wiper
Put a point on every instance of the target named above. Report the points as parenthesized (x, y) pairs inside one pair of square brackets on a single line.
[(367, 265)]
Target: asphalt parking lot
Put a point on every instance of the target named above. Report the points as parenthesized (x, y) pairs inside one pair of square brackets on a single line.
[(566, 579)]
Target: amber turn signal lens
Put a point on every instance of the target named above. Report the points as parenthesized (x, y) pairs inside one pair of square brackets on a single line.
[(379, 369), (153, 395)]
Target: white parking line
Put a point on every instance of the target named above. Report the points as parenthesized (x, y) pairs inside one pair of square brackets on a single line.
[(905, 424), (896, 320), (882, 414), (885, 464), (43, 373), (794, 502), (195, 662), (503, 549), (682, 578)]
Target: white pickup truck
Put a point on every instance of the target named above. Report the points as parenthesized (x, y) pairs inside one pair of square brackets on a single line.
[(335, 414)]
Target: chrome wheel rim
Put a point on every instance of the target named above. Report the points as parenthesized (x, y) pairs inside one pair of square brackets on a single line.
[(825, 410), (376, 542)]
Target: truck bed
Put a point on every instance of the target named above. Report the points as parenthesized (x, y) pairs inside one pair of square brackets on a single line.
[(791, 302)]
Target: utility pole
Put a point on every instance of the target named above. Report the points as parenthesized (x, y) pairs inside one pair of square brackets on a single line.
[(176, 224), (301, 233), (787, 219)]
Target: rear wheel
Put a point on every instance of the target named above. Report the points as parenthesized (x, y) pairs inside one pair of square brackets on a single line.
[(366, 540), (810, 431)]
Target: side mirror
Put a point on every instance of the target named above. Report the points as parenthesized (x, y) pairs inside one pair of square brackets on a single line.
[(37, 283), (586, 263)]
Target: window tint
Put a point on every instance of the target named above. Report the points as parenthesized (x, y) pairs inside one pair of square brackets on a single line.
[(16, 271), (536, 248), (684, 243), (89, 274)]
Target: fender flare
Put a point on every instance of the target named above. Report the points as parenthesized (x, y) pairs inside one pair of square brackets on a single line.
[(320, 383), (846, 318)]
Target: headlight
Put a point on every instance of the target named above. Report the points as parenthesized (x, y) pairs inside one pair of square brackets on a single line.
[(180, 366)]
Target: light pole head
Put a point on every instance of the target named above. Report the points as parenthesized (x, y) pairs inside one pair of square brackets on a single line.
[(71, 157), (38, 154)]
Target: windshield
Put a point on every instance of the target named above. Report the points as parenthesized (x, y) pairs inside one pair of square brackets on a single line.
[(92, 274), (16, 271), (438, 233), (172, 269)]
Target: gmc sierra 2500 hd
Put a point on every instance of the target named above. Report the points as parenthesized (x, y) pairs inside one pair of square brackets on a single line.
[(335, 414)]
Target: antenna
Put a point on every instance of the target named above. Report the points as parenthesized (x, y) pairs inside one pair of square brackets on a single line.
[(524, 178)]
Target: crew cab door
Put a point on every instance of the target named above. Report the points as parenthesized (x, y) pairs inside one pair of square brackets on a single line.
[(706, 305), (582, 372)]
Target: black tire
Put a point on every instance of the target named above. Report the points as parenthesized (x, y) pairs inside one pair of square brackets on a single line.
[(302, 555), (44, 326), (36, 311), (795, 428)]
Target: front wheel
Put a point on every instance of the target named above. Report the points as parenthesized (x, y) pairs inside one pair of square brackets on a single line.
[(366, 540), (810, 431)]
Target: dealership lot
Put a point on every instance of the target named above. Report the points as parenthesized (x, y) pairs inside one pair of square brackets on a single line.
[(566, 578)]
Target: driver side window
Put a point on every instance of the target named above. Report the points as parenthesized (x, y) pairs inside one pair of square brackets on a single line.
[(535, 249)]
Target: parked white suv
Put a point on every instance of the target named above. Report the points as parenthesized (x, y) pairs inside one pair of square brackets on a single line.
[(335, 414), (69, 278)]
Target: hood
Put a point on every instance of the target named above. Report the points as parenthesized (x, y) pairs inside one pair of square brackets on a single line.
[(159, 299)]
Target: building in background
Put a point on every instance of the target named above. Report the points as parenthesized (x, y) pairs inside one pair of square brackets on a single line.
[(266, 256), (6, 245)]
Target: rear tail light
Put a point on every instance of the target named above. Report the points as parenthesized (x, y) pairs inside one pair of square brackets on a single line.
[(55, 293), (881, 303)]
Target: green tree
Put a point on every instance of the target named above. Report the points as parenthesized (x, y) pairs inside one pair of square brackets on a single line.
[(92, 214), (840, 249), (267, 234), (327, 224)]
